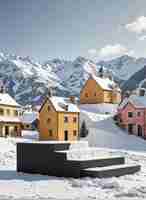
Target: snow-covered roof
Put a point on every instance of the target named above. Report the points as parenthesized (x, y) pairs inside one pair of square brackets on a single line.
[(135, 100), (6, 99), (10, 119), (106, 83), (29, 116), (60, 104)]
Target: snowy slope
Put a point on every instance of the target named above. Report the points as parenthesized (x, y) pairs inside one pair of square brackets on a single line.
[(104, 133), (72, 74), (125, 66), (65, 77), (20, 186), (33, 79)]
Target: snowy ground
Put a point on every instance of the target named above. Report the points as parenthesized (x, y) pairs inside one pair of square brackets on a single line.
[(24, 186), (108, 138)]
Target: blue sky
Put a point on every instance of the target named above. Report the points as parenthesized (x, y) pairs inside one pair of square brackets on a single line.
[(100, 29)]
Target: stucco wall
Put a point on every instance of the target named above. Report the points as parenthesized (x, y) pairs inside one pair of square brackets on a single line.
[(44, 125)]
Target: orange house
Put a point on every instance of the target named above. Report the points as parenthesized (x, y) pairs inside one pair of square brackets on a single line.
[(100, 90), (59, 119)]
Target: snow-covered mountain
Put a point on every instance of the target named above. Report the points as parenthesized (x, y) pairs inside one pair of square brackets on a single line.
[(33, 79), (125, 66), (65, 77)]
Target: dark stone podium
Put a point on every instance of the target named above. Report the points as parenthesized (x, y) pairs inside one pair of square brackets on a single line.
[(50, 158)]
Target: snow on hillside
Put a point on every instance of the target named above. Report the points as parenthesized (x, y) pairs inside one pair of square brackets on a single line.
[(102, 108), (125, 66), (66, 77), (104, 133)]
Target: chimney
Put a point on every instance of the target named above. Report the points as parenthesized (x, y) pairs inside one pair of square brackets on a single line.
[(66, 107), (72, 99)]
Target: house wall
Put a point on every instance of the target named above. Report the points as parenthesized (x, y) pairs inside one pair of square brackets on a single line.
[(136, 120), (94, 91), (97, 95), (11, 112), (57, 124), (69, 126), (107, 96), (116, 97), (44, 125)]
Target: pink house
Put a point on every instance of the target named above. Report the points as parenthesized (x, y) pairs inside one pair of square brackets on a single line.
[(132, 115)]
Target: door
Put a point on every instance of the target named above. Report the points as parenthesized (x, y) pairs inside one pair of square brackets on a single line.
[(130, 128), (139, 130), (6, 130), (66, 135)]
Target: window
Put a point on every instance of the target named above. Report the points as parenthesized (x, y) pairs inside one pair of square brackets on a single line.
[(48, 120), (66, 135), (130, 128), (49, 108), (65, 119), (130, 114), (86, 94), (16, 129), (50, 133), (138, 114), (8, 112), (74, 133), (15, 113), (74, 119), (1, 111)]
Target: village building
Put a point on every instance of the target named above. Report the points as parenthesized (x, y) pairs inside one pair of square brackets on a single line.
[(10, 123), (29, 120), (59, 119), (132, 114), (100, 89)]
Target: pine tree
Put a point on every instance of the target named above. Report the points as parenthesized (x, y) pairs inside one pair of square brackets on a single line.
[(101, 71), (83, 130)]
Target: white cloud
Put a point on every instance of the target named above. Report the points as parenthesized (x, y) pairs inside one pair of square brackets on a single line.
[(137, 26), (143, 37), (113, 51), (92, 52)]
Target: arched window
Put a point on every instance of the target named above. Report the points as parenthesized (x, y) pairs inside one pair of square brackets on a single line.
[(1, 111)]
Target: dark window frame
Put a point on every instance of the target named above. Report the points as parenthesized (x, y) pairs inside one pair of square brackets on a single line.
[(130, 114), (65, 119)]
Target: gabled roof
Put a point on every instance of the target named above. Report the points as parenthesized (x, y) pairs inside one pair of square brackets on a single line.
[(105, 83), (6, 99), (61, 103), (135, 100)]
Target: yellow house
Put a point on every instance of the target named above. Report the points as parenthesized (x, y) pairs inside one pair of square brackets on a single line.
[(59, 119), (100, 90), (10, 123)]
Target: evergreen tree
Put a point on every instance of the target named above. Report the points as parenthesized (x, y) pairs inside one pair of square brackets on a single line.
[(83, 130), (101, 71)]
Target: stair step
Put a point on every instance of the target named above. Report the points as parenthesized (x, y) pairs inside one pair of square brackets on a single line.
[(110, 171)]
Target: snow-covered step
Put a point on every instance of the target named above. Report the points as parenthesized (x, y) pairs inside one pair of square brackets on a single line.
[(110, 171)]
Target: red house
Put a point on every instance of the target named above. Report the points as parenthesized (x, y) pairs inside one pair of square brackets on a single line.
[(132, 115)]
